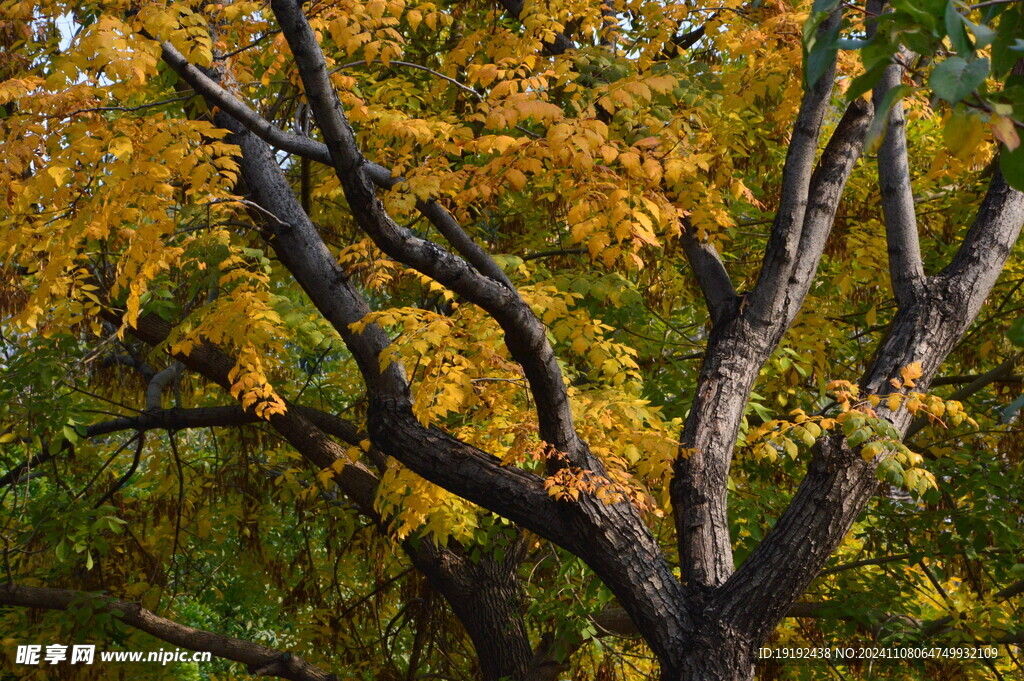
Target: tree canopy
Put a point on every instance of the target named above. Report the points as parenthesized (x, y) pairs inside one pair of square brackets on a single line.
[(402, 339)]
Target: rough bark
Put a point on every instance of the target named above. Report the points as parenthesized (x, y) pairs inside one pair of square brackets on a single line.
[(612, 538), (839, 482), (905, 268), (743, 340), (486, 596), (496, 601), (708, 627)]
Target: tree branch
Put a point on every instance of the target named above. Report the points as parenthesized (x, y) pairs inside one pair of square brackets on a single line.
[(485, 608), (260, 660), (217, 95), (140, 442), (159, 383), (996, 227), (906, 271), (712, 277), (826, 189), (783, 250), (737, 348), (305, 147), (839, 482), (525, 336), (610, 537), (559, 45)]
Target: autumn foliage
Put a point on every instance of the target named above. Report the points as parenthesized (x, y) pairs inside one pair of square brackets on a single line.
[(401, 339)]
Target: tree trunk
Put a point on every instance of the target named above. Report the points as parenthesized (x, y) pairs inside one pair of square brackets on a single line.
[(486, 596), (736, 351), (712, 660)]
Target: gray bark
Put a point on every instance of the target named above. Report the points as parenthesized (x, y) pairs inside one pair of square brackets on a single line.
[(741, 342), (708, 626)]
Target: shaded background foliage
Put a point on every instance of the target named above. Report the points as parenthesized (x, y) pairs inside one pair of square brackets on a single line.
[(582, 170)]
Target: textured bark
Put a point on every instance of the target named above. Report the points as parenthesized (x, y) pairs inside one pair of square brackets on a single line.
[(495, 601), (612, 538), (712, 277), (734, 355), (525, 335), (486, 596), (619, 550), (708, 626), (741, 342), (839, 482), (906, 271)]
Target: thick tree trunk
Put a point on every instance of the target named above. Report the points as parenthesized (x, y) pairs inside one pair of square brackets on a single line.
[(707, 627), (736, 351), (486, 596), (727, 665), (712, 658)]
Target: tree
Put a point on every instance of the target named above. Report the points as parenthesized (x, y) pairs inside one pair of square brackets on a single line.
[(245, 201)]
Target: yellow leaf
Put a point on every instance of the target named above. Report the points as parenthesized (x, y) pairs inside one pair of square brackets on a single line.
[(630, 161), (59, 174), (910, 373), (871, 450), (1005, 131), (515, 178)]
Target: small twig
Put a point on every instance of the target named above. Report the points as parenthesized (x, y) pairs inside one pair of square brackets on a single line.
[(131, 471), (255, 206), (104, 466), (554, 254), (181, 497), (254, 43), (127, 109), (363, 62), (465, 88), (313, 370)]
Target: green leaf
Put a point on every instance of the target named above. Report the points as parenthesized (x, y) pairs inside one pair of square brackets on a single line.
[(851, 424), (956, 31), (858, 437), (983, 35), (917, 14), (866, 81), (956, 78), (1016, 333), (881, 119), (820, 55), (1012, 165)]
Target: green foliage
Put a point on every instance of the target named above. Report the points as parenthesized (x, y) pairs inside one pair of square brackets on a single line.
[(581, 171)]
